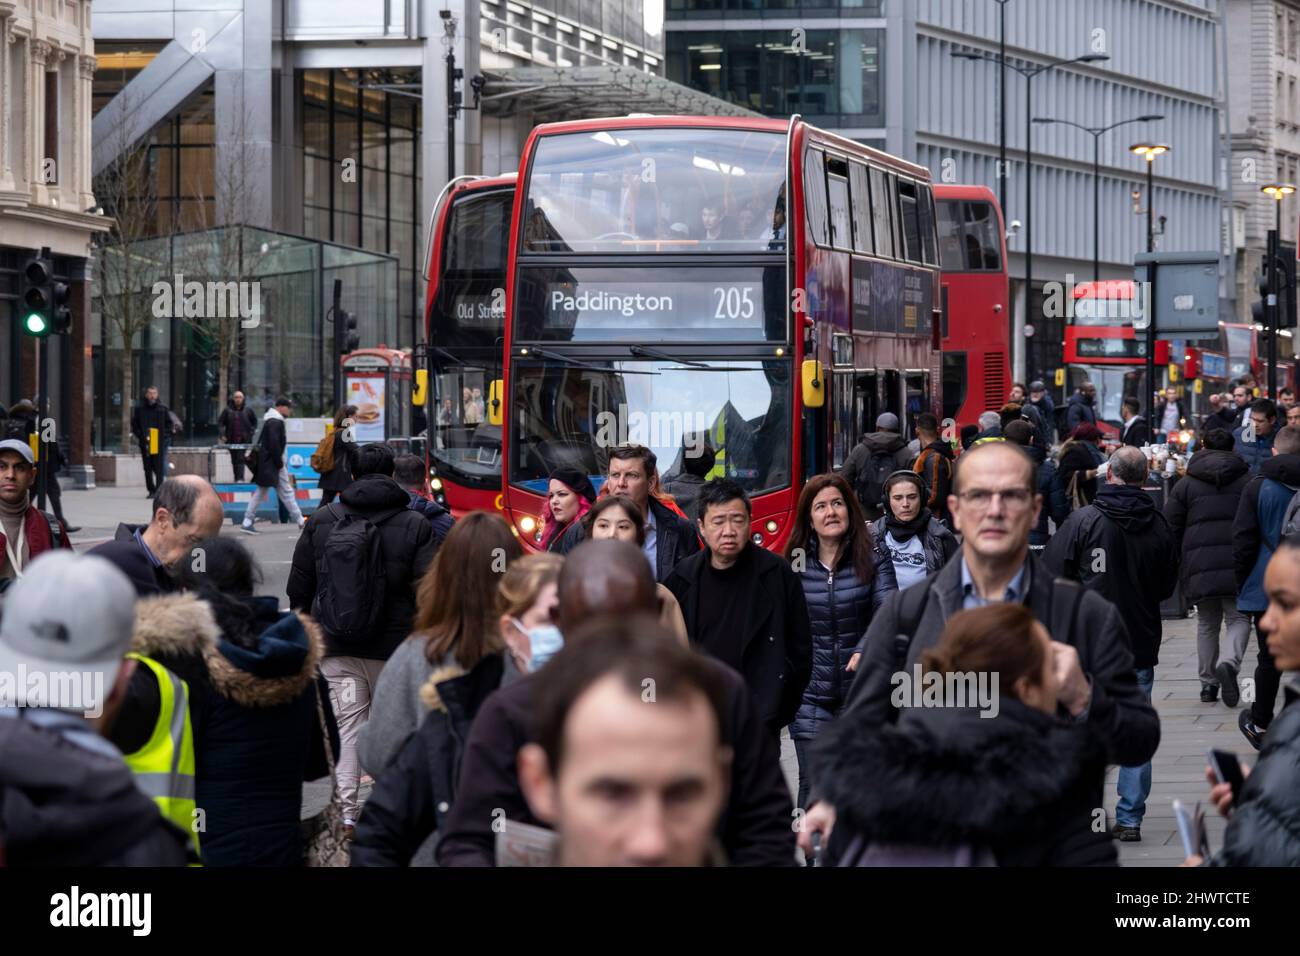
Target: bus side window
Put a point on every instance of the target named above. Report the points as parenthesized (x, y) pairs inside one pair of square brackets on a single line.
[(838, 193), (814, 190), (929, 248), (910, 220), (891, 203), (881, 223), (860, 201)]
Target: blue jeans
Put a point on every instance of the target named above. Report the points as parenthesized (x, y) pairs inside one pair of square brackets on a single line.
[(1134, 784)]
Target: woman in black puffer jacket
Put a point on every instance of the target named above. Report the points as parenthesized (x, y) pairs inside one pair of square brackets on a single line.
[(1264, 826), (846, 576), (1202, 512)]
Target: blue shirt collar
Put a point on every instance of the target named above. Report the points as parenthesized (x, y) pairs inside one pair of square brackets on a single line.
[(970, 597), (153, 558)]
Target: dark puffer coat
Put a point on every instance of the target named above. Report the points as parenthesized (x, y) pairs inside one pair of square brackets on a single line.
[(1265, 826), (1201, 510), (840, 607), (1021, 784)]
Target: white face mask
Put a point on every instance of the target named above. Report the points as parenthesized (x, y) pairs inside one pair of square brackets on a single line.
[(544, 642)]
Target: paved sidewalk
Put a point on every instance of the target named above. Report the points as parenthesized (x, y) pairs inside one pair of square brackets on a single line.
[(1188, 729)]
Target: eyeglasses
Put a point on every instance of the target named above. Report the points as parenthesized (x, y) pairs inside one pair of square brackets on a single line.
[(982, 498)]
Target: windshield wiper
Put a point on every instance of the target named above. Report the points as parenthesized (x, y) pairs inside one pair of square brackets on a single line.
[(656, 353), (575, 363)]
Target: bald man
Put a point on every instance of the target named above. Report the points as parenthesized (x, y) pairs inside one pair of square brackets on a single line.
[(185, 511), (613, 578)]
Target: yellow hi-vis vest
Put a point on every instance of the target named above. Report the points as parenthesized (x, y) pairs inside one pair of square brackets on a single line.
[(164, 766)]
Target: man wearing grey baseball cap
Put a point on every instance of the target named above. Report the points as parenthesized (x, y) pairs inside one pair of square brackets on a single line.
[(67, 797), (25, 531)]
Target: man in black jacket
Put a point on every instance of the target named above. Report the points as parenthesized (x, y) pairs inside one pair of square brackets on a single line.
[(1134, 432), (235, 427), (632, 471), (408, 547), (609, 578), (1201, 510), (1121, 547), (148, 416), (994, 507), (745, 606)]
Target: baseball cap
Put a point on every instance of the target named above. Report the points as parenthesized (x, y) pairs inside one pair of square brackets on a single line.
[(24, 449), (60, 653), (887, 421), (1037, 386)]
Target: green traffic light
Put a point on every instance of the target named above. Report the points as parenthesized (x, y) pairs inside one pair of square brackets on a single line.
[(35, 324)]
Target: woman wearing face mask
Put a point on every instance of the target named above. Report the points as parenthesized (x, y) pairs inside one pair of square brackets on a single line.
[(569, 497), (989, 776), (1264, 821), (618, 517), (455, 627), (846, 576), (414, 793)]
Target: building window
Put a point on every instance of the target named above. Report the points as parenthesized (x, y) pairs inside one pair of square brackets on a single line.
[(1292, 36)]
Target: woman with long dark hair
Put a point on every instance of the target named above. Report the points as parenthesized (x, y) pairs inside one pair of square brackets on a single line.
[(455, 627), (342, 455), (846, 576)]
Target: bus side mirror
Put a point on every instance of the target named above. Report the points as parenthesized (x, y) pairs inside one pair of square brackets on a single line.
[(421, 390), (814, 384), (494, 409)]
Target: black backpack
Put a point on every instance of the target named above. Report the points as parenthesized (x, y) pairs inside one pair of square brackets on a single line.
[(350, 576), (869, 485)]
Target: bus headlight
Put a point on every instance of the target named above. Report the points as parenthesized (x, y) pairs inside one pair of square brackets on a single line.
[(436, 484), (770, 526), (758, 537), (527, 524)]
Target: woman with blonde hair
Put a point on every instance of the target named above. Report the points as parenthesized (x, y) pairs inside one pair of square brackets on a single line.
[(414, 793)]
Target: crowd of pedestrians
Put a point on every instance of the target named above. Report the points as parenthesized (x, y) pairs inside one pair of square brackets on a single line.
[(958, 645)]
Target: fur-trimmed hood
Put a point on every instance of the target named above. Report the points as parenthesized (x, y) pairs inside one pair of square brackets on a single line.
[(275, 672), (948, 776)]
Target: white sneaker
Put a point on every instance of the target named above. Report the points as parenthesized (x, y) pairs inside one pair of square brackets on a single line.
[(248, 528)]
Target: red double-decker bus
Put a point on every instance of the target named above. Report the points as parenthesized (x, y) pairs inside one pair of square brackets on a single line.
[(975, 329), (465, 324), (653, 298)]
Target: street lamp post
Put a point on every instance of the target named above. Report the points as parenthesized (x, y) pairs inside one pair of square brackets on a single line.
[(1150, 151), (1096, 132), (1028, 72), (1278, 191)]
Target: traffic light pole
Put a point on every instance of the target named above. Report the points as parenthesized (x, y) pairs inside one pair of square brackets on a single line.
[(43, 387), (338, 342), (1272, 311)]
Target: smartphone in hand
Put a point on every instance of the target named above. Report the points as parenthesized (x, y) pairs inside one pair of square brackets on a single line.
[(1227, 769)]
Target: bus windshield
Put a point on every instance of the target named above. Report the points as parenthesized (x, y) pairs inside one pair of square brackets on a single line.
[(571, 417), (646, 190)]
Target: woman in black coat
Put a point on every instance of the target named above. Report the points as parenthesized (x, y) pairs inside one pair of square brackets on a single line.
[(1080, 456), (1202, 511), (253, 683), (1264, 824), (999, 780), (339, 476), (846, 576)]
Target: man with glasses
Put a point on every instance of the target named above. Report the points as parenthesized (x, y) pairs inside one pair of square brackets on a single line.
[(994, 506), (1121, 547), (745, 606)]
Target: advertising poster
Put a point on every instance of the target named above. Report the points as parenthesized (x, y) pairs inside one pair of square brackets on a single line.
[(366, 391)]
